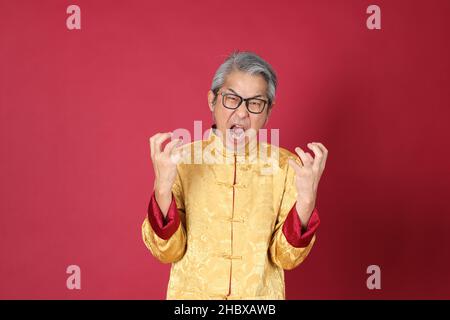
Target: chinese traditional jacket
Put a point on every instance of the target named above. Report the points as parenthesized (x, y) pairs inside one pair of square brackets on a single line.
[(232, 227)]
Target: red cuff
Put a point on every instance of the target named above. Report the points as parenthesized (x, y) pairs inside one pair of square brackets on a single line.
[(164, 228), (292, 228)]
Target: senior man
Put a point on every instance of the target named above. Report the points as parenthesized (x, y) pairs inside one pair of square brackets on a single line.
[(229, 227)]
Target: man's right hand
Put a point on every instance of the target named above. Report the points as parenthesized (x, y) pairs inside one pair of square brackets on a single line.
[(165, 166)]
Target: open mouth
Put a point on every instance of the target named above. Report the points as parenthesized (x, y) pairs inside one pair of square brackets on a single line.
[(237, 132)]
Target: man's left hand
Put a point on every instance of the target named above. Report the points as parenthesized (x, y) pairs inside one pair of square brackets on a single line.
[(307, 178)]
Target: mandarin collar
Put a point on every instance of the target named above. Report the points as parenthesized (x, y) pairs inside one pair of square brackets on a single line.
[(250, 152)]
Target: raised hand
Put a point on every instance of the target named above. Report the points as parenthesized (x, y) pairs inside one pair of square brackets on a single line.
[(165, 167), (307, 178)]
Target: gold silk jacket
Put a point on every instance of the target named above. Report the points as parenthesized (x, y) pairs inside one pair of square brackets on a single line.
[(232, 228)]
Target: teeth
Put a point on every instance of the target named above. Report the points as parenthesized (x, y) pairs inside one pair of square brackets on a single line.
[(237, 132)]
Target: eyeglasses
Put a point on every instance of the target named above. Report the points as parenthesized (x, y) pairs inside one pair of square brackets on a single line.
[(233, 101)]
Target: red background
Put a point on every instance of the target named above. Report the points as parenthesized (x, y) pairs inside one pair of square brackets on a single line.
[(78, 107)]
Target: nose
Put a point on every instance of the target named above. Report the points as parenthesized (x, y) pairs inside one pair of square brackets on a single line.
[(242, 111)]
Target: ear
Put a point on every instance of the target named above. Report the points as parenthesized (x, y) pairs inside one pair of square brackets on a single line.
[(210, 100)]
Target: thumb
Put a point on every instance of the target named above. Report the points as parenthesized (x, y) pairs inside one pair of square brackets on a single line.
[(294, 165)]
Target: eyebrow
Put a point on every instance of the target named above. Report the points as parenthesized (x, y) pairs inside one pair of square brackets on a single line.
[(259, 95)]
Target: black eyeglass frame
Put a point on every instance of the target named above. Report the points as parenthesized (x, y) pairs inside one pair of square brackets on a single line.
[(246, 101)]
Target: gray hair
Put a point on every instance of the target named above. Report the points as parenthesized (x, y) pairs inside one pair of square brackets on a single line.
[(248, 62)]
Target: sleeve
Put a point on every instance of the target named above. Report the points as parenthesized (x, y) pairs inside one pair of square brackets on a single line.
[(166, 238), (290, 245)]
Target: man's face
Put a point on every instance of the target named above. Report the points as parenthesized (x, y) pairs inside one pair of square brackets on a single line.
[(233, 124)]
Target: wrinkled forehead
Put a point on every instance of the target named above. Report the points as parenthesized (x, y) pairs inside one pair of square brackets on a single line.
[(245, 84)]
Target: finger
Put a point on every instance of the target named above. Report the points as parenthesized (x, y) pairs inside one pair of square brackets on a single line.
[(171, 145), (159, 140), (317, 153), (177, 154), (303, 156), (325, 152), (175, 157), (310, 157), (294, 165), (152, 144), (322, 147)]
